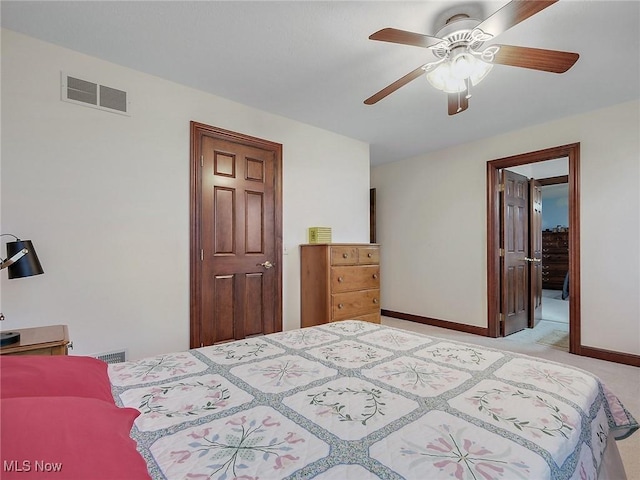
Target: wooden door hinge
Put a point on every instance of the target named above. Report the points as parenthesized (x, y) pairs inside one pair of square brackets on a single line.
[(201, 255), (501, 317), (502, 252), (201, 160), (501, 187)]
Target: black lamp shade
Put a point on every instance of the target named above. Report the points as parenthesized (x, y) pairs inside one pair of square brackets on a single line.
[(28, 265)]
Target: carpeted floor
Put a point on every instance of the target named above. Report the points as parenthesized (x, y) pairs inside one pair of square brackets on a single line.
[(553, 329), (556, 339), (623, 380), (554, 309)]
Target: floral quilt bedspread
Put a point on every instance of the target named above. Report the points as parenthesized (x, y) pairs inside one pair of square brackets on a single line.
[(364, 401)]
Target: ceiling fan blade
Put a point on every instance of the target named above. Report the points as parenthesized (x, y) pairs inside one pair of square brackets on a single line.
[(403, 37), (457, 102), (553, 61), (512, 14), (394, 86)]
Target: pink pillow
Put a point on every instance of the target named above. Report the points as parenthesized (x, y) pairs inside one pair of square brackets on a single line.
[(68, 438), (51, 376)]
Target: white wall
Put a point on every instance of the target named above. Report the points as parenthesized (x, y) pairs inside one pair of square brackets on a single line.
[(105, 198), (546, 169), (431, 213)]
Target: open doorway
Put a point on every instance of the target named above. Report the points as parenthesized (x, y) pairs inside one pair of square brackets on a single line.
[(495, 262), (548, 254)]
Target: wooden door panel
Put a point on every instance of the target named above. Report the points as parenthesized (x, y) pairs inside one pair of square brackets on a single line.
[(515, 242), (516, 277), (221, 305), (255, 170), (224, 164), (237, 228), (254, 221), (223, 219), (254, 293)]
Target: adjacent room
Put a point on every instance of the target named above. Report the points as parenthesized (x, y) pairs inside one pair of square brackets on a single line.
[(284, 239)]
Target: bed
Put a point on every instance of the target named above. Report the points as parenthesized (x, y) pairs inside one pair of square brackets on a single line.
[(345, 400)]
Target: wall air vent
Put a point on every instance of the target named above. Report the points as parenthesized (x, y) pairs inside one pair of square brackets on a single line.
[(92, 94), (112, 357)]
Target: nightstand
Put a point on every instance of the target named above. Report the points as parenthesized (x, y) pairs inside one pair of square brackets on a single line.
[(50, 340)]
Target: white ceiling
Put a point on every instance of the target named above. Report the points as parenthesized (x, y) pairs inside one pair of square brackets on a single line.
[(312, 61)]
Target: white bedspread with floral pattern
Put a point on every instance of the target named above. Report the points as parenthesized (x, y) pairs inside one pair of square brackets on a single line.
[(364, 401)]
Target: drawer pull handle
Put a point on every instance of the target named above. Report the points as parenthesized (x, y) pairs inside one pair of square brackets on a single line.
[(340, 279), (375, 300), (369, 255), (375, 276), (340, 305), (345, 255)]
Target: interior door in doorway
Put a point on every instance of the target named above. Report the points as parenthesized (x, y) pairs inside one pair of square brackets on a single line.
[(238, 234), (515, 246), (535, 250)]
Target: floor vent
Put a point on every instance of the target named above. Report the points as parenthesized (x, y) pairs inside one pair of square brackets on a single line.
[(92, 94), (113, 357)]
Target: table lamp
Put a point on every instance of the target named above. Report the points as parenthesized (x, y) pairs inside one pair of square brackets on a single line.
[(21, 261)]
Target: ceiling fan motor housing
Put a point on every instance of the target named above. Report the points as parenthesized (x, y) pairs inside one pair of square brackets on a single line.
[(458, 37)]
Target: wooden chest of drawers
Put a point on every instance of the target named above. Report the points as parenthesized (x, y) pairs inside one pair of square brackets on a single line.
[(555, 259), (339, 281)]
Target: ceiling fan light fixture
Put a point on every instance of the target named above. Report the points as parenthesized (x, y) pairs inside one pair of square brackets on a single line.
[(462, 66), (450, 75)]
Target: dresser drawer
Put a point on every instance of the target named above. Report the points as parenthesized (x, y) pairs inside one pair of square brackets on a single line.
[(369, 317), (344, 255), (368, 255), (555, 257), (355, 277), (555, 269), (352, 304), (355, 255)]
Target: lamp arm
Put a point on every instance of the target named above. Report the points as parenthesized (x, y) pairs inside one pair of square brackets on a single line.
[(9, 235), (10, 261)]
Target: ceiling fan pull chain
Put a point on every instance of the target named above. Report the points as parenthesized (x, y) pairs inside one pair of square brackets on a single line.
[(459, 107), (468, 84)]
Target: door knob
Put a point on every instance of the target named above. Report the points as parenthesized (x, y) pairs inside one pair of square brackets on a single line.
[(267, 264)]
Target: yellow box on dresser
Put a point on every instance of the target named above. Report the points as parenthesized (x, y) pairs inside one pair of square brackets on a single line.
[(339, 281), (319, 235)]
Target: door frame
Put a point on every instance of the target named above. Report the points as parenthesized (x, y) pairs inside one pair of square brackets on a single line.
[(195, 194), (572, 152)]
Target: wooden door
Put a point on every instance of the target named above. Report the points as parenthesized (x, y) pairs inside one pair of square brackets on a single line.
[(515, 245), (236, 236), (535, 251)]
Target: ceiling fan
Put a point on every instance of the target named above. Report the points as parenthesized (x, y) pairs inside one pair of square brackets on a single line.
[(462, 62)]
